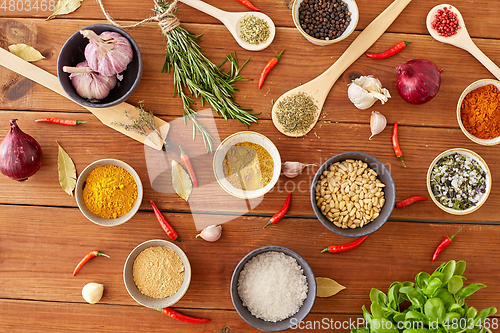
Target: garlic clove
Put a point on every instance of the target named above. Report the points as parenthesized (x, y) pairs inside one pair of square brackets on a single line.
[(293, 169), (89, 84), (378, 122), (92, 292), (211, 233), (365, 90), (361, 98)]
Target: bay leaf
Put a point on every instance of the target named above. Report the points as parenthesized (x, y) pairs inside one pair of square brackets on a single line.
[(65, 7), (181, 181), (25, 52), (326, 287), (67, 171)]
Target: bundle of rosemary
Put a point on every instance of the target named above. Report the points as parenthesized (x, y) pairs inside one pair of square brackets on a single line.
[(205, 80)]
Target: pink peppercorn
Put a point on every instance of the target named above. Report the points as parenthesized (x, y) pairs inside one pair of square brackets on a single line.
[(445, 22)]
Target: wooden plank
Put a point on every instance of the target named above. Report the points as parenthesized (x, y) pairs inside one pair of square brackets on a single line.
[(40, 247), (95, 141)]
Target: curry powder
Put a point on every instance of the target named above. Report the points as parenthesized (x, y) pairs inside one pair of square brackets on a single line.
[(248, 166), (480, 112), (110, 191)]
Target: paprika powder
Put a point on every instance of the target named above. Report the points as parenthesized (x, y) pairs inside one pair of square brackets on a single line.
[(480, 112)]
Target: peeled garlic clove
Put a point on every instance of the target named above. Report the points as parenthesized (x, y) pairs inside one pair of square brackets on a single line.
[(211, 233), (108, 53), (377, 123), (92, 292), (293, 169), (89, 84)]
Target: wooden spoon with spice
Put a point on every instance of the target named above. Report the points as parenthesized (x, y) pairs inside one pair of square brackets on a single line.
[(461, 39), (234, 22), (317, 90)]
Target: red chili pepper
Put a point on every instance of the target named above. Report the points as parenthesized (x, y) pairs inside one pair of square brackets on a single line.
[(89, 256), (68, 122), (395, 143), (279, 215), (249, 5), (443, 245), (164, 223), (409, 201), (390, 52), (181, 317), (187, 163), (270, 65), (345, 247)]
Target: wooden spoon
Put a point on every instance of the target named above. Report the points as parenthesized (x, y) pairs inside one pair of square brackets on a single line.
[(461, 39), (232, 21), (319, 88), (106, 115)]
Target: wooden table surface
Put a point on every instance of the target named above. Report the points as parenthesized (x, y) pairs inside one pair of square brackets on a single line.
[(43, 234)]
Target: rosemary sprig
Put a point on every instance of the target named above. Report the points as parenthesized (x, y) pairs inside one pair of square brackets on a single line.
[(204, 80)]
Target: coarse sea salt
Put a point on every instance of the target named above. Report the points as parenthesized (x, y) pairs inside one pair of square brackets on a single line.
[(272, 286)]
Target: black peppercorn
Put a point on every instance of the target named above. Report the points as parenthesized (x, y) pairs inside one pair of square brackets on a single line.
[(324, 19)]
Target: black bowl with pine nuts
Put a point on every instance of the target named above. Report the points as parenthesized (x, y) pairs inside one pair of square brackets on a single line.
[(353, 194)]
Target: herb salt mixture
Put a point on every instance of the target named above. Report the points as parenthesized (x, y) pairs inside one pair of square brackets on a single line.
[(296, 113), (458, 181), (254, 30)]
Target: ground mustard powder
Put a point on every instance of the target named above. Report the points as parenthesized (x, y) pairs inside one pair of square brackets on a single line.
[(110, 191)]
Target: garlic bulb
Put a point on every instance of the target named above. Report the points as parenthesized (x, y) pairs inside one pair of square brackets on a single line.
[(89, 84), (365, 91), (293, 169), (108, 53), (211, 233), (92, 292), (377, 123)]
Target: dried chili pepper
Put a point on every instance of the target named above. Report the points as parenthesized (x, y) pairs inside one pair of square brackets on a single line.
[(181, 317), (189, 167), (68, 122), (279, 215), (85, 259), (249, 5), (345, 247), (390, 52), (409, 201), (164, 223), (395, 143), (443, 245), (270, 65)]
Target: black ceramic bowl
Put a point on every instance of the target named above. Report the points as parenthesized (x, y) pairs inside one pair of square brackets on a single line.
[(286, 323), (72, 53), (389, 193)]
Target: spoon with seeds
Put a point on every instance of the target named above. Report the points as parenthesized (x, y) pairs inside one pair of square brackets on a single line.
[(317, 90), (461, 39), (232, 21)]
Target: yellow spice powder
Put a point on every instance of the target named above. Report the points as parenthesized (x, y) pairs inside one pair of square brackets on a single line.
[(158, 272), (110, 191)]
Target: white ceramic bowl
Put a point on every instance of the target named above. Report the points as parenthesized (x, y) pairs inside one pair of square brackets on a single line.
[(132, 289), (352, 7), (80, 184), (471, 87), (223, 148), (483, 165)]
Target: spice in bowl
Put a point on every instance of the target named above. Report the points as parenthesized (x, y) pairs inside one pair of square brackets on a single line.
[(458, 181), (110, 191), (254, 30), (324, 19), (349, 194), (480, 112), (158, 272), (272, 286), (248, 166), (296, 113)]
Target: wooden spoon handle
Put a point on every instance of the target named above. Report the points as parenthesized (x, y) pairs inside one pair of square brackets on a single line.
[(106, 115), (482, 58)]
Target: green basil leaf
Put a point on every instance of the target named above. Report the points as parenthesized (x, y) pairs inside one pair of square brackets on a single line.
[(376, 310), (366, 314), (417, 316), (377, 296), (455, 284), (434, 309), (470, 289), (414, 296), (446, 297), (432, 286), (449, 271), (394, 296), (359, 330), (485, 313), (451, 316), (422, 279), (471, 312), (399, 317), (460, 267), (381, 325), (455, 307), (436, 274), (418, 330)]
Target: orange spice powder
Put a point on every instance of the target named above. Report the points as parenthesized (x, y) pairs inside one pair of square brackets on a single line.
[(480, 112)]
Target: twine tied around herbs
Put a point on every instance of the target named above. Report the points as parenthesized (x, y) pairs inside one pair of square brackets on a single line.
[(166, 20)]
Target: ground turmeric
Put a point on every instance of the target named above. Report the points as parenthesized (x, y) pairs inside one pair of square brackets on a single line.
[(480, 112), (110, 191)]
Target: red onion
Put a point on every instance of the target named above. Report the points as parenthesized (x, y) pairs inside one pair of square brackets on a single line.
[(418, 81), (20, 154)]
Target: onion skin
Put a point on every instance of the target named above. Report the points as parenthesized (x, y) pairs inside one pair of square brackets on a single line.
[(20, 154), (418, 81)]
